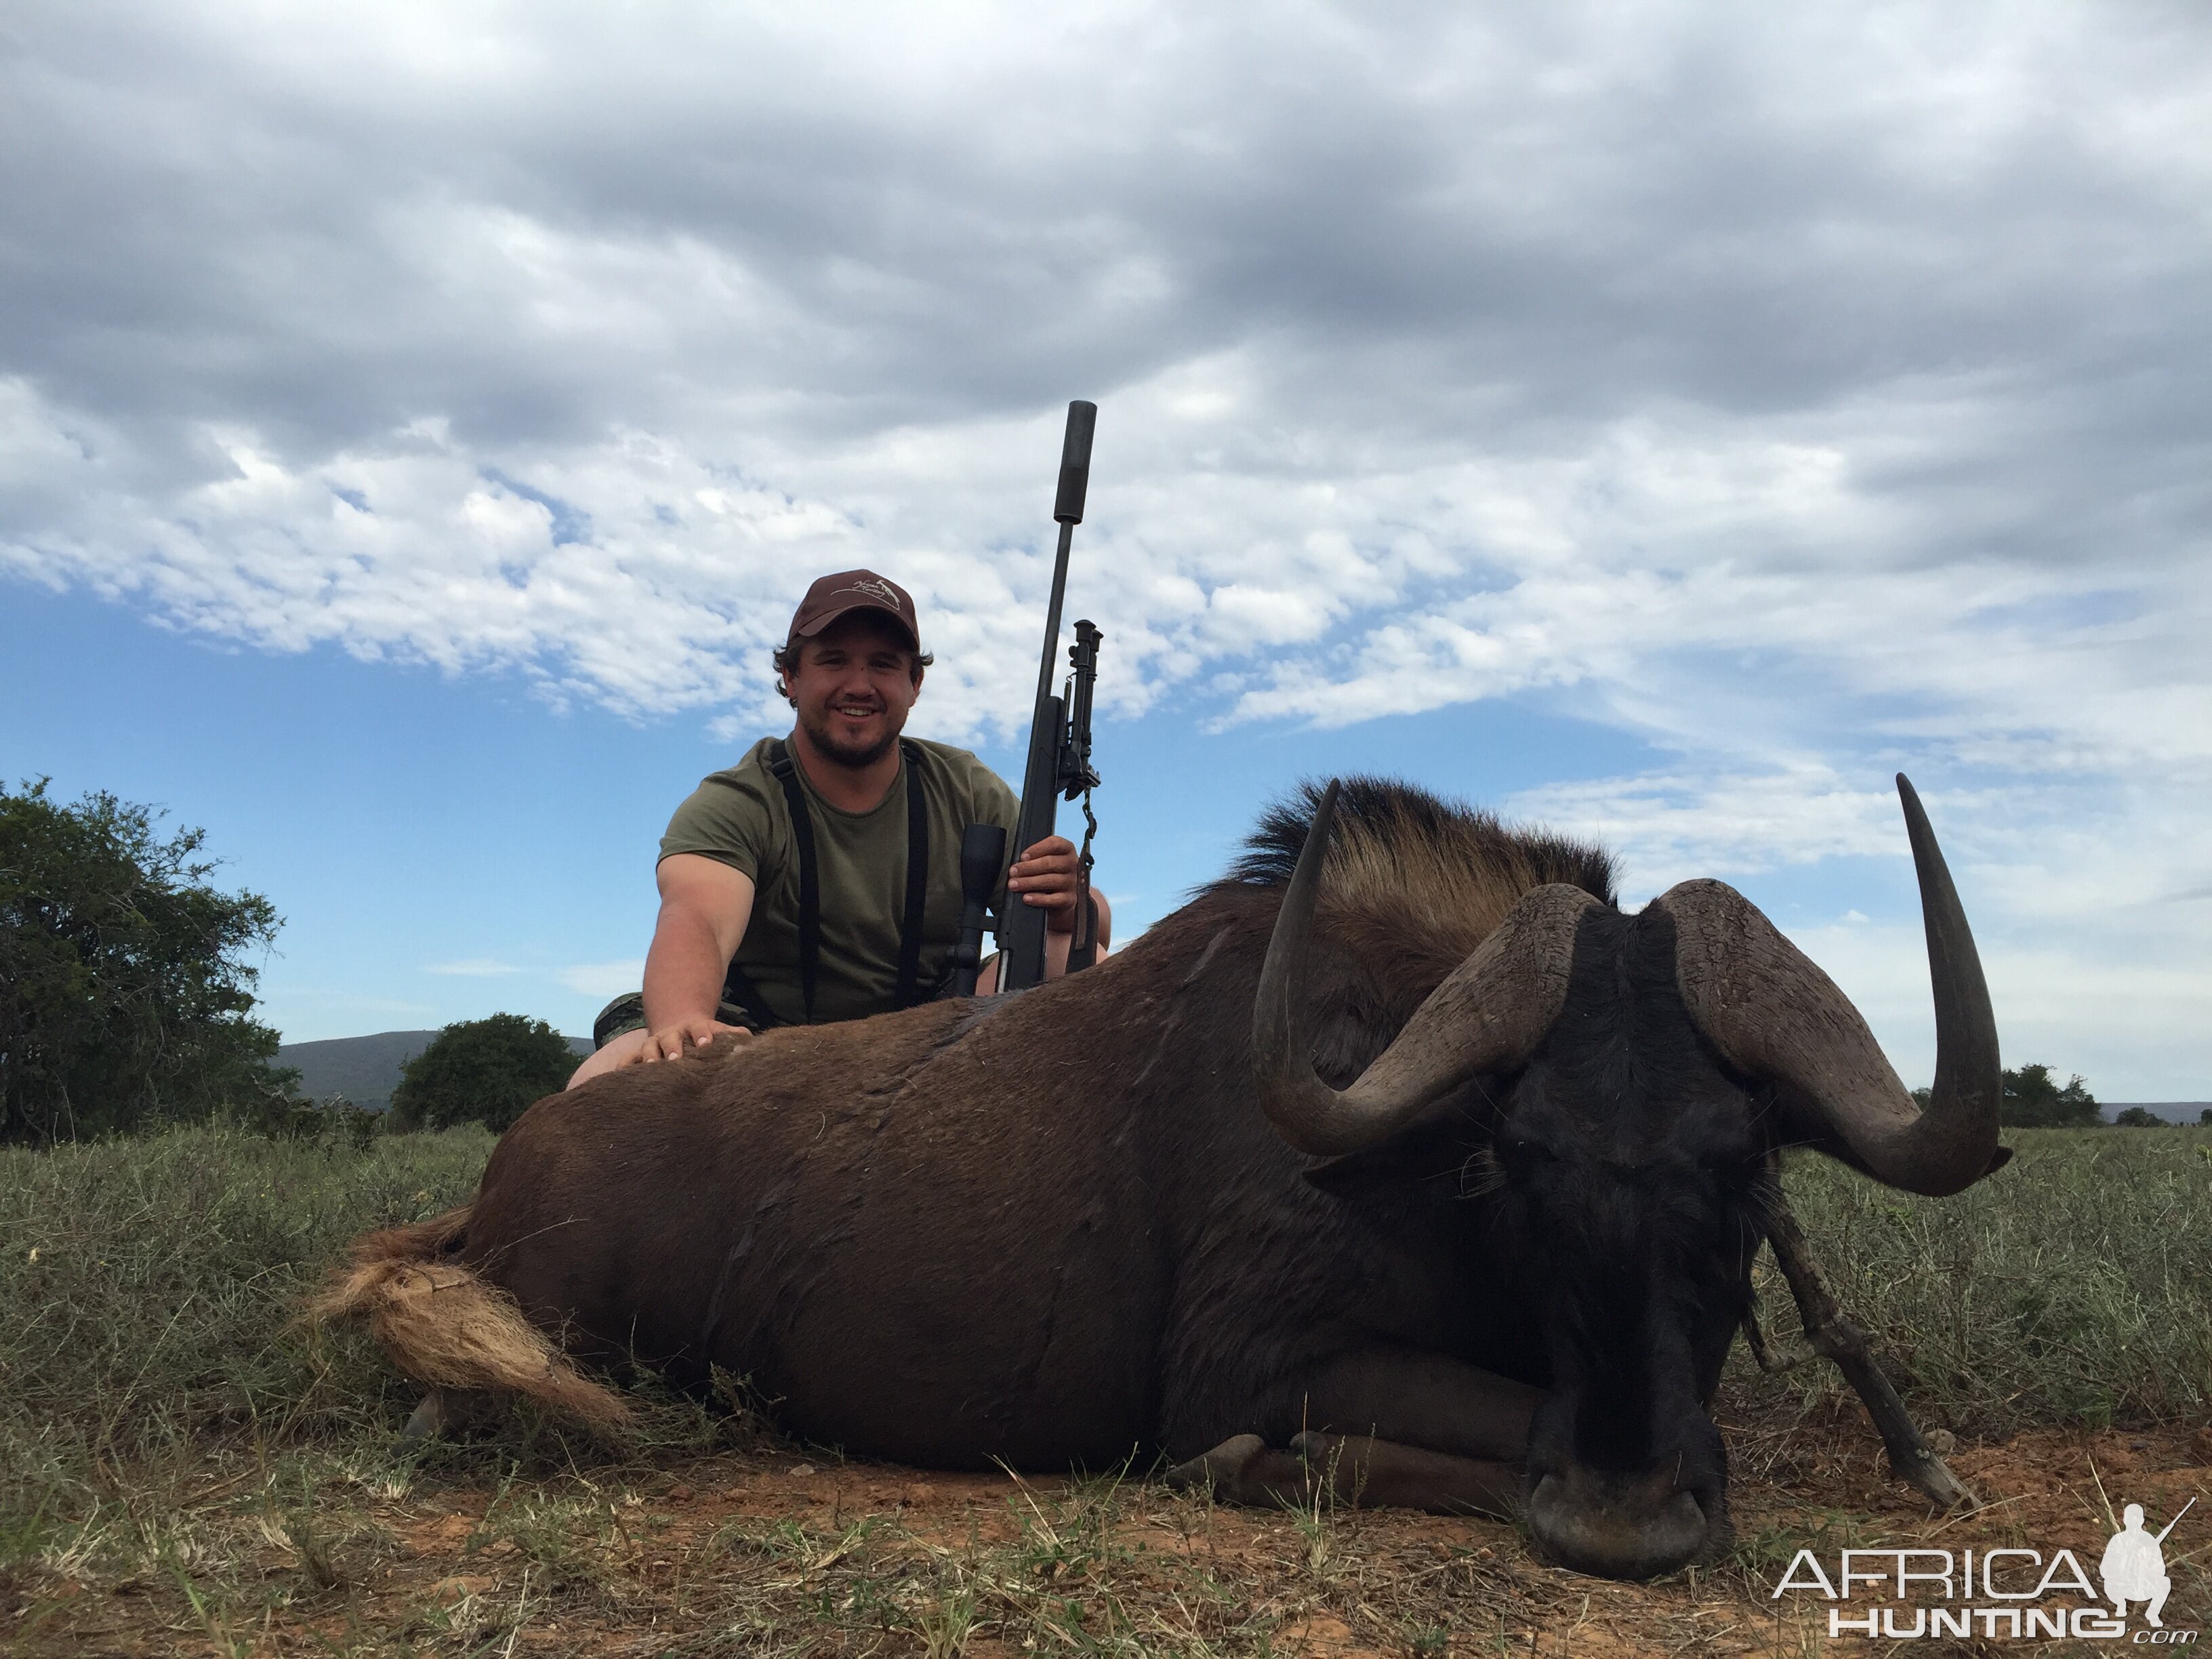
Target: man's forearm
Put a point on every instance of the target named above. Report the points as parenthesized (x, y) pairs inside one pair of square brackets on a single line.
[(683, 970)]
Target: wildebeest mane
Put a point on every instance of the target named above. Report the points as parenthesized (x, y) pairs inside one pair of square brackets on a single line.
[(1413, 885), (1410, 871), (1387, 827)]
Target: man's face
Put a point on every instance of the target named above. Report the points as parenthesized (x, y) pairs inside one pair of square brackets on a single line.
[(854, 686)]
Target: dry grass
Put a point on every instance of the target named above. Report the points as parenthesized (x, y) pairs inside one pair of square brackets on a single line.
[(772, 1552), (188, 1470)]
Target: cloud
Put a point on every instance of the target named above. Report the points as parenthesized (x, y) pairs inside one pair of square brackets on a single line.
[(1811, 392), (602, 979), (2075, 1004), (1671, 828), (1450, 357)]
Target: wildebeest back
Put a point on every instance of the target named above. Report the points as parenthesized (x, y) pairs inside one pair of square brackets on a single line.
[(936, 1251)]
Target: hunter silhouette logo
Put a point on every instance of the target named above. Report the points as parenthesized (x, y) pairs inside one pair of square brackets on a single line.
[(2003, 1594), (2134, 1568)]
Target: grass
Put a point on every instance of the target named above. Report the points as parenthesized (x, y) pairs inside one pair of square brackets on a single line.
[(182, 1465), (2068, 1288), (155, 1285)]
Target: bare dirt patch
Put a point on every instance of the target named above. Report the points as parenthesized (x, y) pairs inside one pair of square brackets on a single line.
[(776, 1551)]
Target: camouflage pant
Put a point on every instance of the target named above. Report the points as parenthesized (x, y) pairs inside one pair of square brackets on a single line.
[(627, 1013)]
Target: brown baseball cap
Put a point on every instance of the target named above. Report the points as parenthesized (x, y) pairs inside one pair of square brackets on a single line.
[(854, 590)]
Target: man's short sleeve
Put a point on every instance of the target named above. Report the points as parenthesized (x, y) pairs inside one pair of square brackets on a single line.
[(995, 803), (728, 818)]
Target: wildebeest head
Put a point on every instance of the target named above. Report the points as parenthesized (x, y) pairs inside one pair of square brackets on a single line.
[(1627, 1080)]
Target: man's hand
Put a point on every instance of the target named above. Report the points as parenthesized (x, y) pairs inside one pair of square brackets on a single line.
[(1045, 877), (670, 1042)]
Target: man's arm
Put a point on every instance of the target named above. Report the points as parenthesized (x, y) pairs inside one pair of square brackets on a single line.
[(704, 907)]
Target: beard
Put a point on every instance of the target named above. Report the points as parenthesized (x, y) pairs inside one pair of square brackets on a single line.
[(842, 751)]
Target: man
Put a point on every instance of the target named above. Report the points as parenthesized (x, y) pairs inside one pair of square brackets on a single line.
[(738, 947)]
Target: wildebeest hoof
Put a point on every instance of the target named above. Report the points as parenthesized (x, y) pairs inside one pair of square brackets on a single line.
[(1334, 1462), (1216, 1473), (429, 1419)]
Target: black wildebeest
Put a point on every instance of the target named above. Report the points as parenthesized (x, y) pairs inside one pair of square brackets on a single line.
[(1049, 1229)]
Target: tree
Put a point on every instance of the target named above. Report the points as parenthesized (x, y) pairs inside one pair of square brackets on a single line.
[(2138, 1117), (2204, 1117), (126, 994), (2032, 1101), (488, 1071)]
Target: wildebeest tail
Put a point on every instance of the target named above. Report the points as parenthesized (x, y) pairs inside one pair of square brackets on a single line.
[(447, 1327)]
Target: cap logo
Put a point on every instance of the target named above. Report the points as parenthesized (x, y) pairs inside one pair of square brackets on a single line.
[(876, 589)]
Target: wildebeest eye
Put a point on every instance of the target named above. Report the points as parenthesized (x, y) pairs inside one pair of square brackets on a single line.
[(1519, 1151), (1748, 1169)]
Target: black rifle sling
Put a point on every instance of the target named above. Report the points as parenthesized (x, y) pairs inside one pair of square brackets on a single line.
[(737, 986)]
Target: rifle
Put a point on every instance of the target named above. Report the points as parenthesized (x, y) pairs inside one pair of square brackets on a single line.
[(1058, 758)]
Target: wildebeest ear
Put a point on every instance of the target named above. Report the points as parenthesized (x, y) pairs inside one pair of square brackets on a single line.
[(1436, 1151)]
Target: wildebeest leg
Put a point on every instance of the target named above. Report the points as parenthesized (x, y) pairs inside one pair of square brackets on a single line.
[(1355, 1470), (1420, 1399), (1836, 1337), (1220, 1471), (1426, 1432), (427, 1421), (1359, 1470), (441, 1409)]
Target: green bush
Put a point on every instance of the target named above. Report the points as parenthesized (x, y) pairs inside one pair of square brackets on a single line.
[(482, 1071), (2032, 1101), (126, 996), (286, 1116)]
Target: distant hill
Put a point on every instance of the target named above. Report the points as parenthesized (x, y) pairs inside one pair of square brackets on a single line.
[(2173, 1111), (366, 1069)]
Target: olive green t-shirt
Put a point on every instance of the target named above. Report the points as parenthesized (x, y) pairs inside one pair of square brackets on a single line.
[(740, 818)]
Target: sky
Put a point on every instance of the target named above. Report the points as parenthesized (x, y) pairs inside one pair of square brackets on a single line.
[(1662, 422)]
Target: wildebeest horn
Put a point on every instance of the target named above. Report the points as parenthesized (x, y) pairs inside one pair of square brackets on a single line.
[(1489, 1013), (1775, 1015)]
